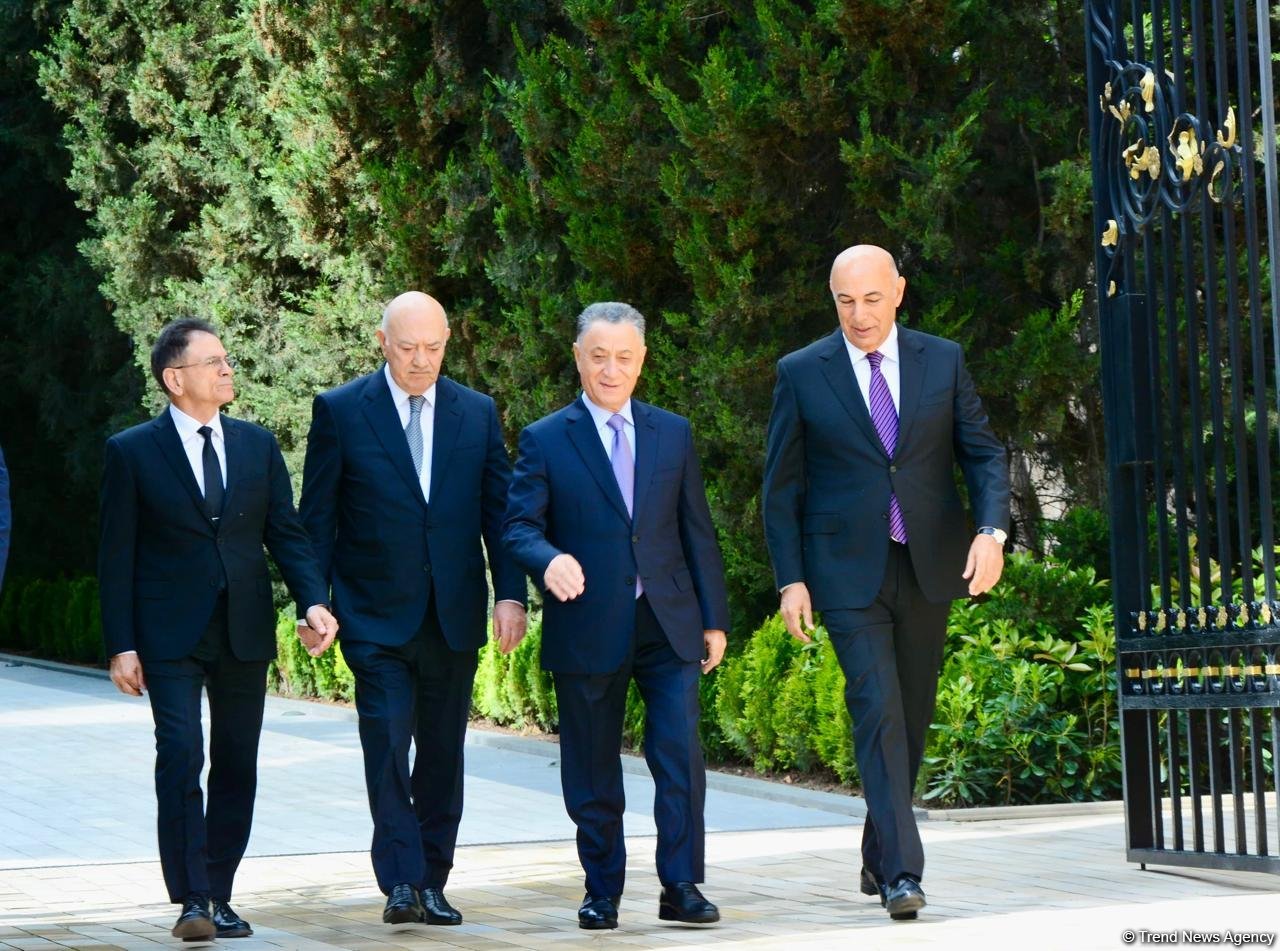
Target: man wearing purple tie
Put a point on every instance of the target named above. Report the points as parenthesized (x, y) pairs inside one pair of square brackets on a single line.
[(608, 515), (864, 524)]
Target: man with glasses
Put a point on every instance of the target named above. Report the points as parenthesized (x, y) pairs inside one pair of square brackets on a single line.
[(189, 499)]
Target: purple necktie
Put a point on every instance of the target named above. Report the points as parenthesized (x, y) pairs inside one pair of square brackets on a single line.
[(885, 417), (624, 470)]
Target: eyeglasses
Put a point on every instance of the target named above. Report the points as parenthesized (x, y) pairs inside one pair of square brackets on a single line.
[(212, 363)]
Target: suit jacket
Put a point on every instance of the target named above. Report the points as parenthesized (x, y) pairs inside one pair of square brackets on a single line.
[(828, 479), (6, 517), (564, 498), (381, 546), (162, 561)]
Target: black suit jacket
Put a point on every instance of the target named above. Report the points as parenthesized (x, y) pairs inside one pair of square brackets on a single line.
[(564, 498), (381, 546), (828, 479), (162, 561)]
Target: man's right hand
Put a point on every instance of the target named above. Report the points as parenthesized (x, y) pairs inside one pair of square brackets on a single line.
[(126, 674), (796, 607), (564, 577)]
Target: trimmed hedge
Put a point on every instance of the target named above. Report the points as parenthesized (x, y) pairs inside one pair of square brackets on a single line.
[(58, 618)]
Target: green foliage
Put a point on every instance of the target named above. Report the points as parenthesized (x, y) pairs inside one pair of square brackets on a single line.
[(1026, 702), (512, 689), (1024, 718), (57, 618), (1082, 537)]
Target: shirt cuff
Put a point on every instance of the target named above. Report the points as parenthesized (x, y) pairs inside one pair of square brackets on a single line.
[(509, 601), (124, 653)]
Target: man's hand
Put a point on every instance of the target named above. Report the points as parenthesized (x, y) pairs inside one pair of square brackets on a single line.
[(564, 577), (797, 607), (126, 674), (318, 633), (509, 625), (985, 564), (713, 644)]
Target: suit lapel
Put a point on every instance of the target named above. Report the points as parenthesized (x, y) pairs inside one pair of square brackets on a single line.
[(448, 424), (380, 410), (646, 456), (166, 437), (233, 445), (583, 435), (839, 373), (911, 374)]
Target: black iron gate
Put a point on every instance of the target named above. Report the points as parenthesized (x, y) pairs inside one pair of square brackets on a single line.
[(1187, 204)]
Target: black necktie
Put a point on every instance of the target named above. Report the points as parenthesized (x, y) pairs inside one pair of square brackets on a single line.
[(213, 490)]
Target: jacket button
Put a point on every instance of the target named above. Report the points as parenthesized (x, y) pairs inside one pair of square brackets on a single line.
[(213, 583), (630, 581), (893, 468), (635, 538), (884, 514), (427, 569)]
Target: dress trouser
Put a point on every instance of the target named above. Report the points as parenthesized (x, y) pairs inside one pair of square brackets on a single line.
[(591, 709), (891, 654), (420, 690), (201, 848)]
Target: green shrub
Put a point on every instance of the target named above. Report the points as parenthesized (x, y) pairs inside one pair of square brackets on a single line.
[(32, 611), (10, 635), (512, 689)]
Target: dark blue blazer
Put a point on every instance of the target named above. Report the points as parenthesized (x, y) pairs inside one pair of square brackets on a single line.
[(6, 517), (380, 545), (828, 479), (162, 560), (564, 498)]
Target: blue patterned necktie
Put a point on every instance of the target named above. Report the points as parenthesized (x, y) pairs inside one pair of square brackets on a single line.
[(885, 418), (413, 432)]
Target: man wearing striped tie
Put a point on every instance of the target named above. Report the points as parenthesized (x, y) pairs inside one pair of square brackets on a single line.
[(406, 473), (863, 523)]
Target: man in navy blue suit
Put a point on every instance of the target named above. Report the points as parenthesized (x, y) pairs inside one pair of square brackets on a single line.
[(6, 518), (608, 515), (405, 473), (864, 524), (188, 501)]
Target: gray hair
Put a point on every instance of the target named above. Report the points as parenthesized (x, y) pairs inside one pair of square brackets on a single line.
[(610, 312)]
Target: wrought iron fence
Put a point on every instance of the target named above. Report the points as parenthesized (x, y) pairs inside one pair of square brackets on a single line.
[(1187, 205)]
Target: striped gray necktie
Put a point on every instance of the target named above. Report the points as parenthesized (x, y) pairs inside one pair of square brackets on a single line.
[(413, 432)]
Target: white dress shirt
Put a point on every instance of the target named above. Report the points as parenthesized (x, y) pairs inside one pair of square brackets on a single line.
[(890, 366), (427, 420), (193, 443), (601, 416)]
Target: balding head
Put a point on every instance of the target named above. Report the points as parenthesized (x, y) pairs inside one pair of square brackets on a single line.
[(412, 337), (867, 290)]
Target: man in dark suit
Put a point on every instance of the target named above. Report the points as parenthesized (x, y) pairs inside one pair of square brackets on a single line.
[(864, 524), (608, 514), (405, 473), (6, 518), (188, 501)]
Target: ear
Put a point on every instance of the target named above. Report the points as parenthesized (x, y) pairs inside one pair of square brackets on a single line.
[(172, 382), (901, 289)]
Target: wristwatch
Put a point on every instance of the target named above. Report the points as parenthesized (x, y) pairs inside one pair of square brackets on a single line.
[(999, 535)]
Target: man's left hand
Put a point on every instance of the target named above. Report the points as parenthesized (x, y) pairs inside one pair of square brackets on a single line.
[(509, 625), (324, 625), (985, 564), (713, 643)]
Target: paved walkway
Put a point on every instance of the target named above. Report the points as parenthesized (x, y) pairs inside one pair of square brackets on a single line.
[(78, 869)]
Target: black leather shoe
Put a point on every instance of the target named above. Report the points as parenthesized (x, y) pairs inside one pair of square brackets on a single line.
[(868, 884), (403, 906), (438, 909), (194, 924), (228, 923), (904, 898), (597, 914), (682, 901)]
